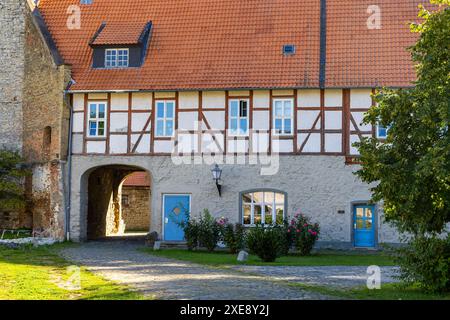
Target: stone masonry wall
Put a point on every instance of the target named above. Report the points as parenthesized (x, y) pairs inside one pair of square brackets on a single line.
[(319, 186), (46, 122), (12, 40), (136, 211), (34, 115)]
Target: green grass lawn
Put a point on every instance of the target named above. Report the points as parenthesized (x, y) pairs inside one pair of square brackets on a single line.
[(322, 258), (40, 274)]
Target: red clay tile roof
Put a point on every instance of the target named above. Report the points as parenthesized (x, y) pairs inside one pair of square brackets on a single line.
[(226, 44), (137, 179), (359, 56), (119, 33)]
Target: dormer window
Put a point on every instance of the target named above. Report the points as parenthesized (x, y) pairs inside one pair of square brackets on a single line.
[(117, 58), (119, 45)]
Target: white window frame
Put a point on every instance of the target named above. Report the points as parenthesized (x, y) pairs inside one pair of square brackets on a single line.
[(238, 118), (97, 119), (283, 117), (165, 119), (116, 61), (262, 204), (378, 131)]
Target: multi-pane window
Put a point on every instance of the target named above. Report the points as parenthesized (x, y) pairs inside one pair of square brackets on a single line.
[(116, 58), (165, 118), (263, 207), (97, 119), (238, 117), (282, 116), (382, 132)]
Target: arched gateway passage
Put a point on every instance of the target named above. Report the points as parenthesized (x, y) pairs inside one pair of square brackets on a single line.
[(118, 202)]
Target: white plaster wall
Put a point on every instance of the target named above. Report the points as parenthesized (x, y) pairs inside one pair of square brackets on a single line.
[(333, 142), (144, 144), (163, 146), (78, 122), (309, 98), (118, 144), (213, 99), (359, 117), (188, 100), (261, 99), (333, 98), (239, 93), (260, 143), (96, 147), (138, 121), (333, 120), (77, 143), (141, 101), (78, 102), (187, 143), (163, 95), (98, 96), (281, 146), (313, 144), (119, 101), (211, 146), (306, 118), (261, 120), (282, 92), (187, 120), (319, 186), (216, 119), (118, 122), (360, 98)]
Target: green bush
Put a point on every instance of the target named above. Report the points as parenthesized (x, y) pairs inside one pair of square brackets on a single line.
[(426, 261), (303, 233), (191, 230), (209, 231), (287, 239), (267, 242), (234, 237), (204, 231)]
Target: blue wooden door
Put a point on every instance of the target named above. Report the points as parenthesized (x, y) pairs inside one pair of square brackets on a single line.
[(176, 210), (364, 225)]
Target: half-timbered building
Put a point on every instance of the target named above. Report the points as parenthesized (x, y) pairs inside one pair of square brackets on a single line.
[(272, 92)]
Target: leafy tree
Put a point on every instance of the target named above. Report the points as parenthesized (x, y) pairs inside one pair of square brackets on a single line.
[(411, 169), (12, 172)]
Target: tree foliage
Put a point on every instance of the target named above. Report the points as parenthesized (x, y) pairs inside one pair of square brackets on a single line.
[(411, 169), (12, 173)]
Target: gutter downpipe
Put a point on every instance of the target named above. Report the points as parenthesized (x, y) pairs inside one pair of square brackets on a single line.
[(69, 168)]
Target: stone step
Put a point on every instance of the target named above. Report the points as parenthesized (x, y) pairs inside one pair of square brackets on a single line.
[(173, 245)]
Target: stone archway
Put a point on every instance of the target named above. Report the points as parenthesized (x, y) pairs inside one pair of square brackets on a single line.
[(104, 200)]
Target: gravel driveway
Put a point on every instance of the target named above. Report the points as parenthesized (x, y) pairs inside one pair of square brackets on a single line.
[(337, 277), (170, 279)]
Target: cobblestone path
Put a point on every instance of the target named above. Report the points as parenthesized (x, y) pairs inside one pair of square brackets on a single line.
[(170, 279)]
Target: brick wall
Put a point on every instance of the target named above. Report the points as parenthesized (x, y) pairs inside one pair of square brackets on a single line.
[(136, 208)]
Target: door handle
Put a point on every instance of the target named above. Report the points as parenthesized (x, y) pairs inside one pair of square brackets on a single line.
[(354, 226), (166, 220)]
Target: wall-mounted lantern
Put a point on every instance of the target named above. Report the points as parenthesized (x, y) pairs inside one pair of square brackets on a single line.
[(217, 174)]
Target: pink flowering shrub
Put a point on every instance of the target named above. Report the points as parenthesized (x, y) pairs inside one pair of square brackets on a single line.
[(304, 233)]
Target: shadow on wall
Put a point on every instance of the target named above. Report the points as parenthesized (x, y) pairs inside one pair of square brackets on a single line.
[(118, 201)]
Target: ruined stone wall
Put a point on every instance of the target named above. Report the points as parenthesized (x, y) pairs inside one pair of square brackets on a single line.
[(34, 117), (45, 126), (104, 216), (12, 39), (136, 208)]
